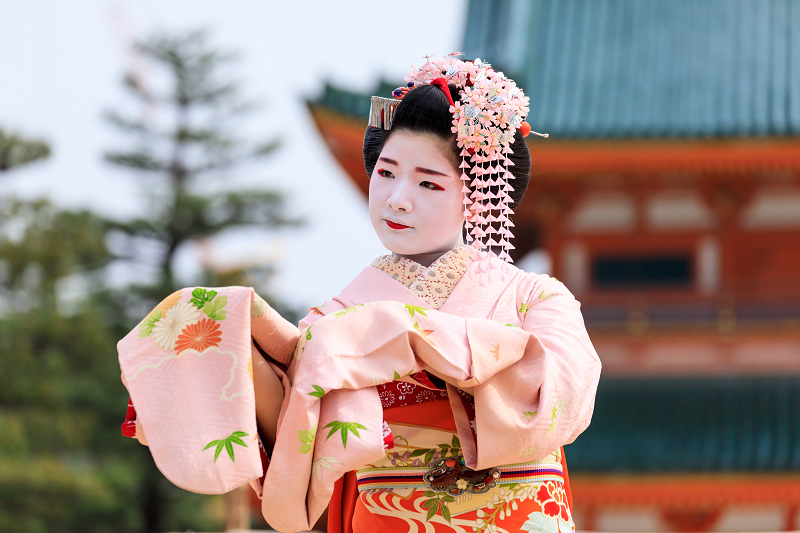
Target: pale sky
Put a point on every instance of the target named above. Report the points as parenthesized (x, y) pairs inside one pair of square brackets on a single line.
[(62, 64)]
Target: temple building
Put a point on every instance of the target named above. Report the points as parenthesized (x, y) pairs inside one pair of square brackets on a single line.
[(667, 199)]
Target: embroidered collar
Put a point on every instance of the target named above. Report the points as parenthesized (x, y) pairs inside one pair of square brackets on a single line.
[(433, 284)]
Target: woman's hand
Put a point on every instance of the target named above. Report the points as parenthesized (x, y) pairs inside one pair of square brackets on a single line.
[(269, 397)]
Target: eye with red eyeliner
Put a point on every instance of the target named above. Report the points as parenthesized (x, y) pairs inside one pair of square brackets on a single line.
[(426, 184), (431, 185)]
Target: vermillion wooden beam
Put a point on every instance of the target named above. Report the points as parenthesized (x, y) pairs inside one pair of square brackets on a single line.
[(344, 136), (685, 490), (580, 158)]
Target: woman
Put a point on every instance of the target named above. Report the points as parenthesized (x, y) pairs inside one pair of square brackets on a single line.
[(444, 380)]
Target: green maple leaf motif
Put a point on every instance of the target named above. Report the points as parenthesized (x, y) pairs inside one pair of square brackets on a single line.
[(308, 333), (307, 437), (146, 328), (345, 311), (344, 428), (523, 309), (227, 443), (201, 296), (512, 325), (416, 309), (214, 309), (319, 392), (396, 375)]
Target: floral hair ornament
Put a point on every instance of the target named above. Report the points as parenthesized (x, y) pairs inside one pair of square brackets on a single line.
[(489, 110)]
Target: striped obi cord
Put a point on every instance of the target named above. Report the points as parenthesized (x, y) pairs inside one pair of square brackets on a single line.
[(412, 477)]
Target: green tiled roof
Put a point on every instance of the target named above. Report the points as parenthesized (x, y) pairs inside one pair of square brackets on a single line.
[(637, 68), (352, 103), (692, 425), (647, 68)]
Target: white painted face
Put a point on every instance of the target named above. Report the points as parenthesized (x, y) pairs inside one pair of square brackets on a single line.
[(415, 198)]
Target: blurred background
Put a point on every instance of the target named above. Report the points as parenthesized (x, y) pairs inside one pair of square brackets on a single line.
[(152, 145)]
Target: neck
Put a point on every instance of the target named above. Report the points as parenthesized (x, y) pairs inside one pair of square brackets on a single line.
[(427, 259)]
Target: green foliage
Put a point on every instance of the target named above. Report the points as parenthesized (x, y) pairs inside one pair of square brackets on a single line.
[(52, 245), (454, 449), (16, 151), (437, 502), (214, 309), (416, 309), (306, 438), (201, 296), (344, 312), (63, 464), (200, 143), (318, 391), (147, 326), (344, 427), (227, 443)]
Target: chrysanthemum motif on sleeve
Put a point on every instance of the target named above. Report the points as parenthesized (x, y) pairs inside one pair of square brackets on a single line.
[(181, 326), (199, 336), (166, 330)]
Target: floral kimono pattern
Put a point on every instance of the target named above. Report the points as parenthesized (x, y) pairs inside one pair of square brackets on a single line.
[(425, 434), (519, 303), (515, 340)]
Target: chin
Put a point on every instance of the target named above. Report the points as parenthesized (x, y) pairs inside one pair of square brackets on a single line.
[(398, 245), (399, 248), (407, 246)]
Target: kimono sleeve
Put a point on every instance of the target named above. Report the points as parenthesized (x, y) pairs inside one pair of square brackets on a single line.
[(571, 368), (545, 398)]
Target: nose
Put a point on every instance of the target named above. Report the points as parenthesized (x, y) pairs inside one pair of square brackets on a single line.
[(400, 199)]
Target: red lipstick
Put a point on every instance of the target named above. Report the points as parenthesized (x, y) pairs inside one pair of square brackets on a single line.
[(394, 225)]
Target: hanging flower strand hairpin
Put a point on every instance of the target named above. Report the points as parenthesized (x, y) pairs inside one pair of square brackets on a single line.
[(489, 110)]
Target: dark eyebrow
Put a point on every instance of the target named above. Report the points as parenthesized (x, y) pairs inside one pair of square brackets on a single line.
[(421, 170), (430, 171)]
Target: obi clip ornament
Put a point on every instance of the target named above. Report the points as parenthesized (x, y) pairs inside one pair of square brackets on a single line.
[(489, 110)]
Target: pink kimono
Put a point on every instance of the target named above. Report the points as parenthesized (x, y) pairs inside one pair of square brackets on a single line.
[(515, 340)]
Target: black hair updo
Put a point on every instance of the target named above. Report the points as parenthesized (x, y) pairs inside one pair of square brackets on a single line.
[(425, 110)]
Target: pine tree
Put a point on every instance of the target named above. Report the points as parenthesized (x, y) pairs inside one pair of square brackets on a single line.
[(185, 141), (63, 464), (16, 151)]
